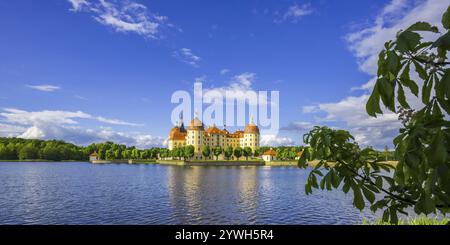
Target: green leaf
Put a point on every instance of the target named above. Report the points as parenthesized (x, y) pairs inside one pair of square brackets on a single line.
[(379, 182), (308, 189), (358, 200), (385, 215), (407, 41), (438, 150), (443, 42), (401, 97), (423, 26), (423, 45), (373, 104), (421, 71), (393, 215), (446, 19), (425, 205), (370, 196), (386, 90), (346, 186), (406, 81), (393, 62), (426, 90), (381, 63)]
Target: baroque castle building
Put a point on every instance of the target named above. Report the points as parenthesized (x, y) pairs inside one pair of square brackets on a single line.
[(198, 136)]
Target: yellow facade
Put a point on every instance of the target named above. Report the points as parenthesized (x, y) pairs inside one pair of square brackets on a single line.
[(199, 137)]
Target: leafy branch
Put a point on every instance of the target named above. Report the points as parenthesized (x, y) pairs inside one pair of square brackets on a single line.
[(421, 178)]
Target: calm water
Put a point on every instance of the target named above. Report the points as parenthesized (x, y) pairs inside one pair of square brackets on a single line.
[(83, 193)]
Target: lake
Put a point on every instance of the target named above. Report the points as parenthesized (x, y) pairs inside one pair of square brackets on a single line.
[(84, 193)]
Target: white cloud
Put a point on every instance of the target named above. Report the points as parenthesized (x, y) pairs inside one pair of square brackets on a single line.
[(123, 16), (366, 44), (399, 14), (64, 125), (298, 126), (116, 122), (77, 5), (367, 130), (309, 108), (187, 56), (295, 12), (80, 97), (44, 87), (275, 140), (366, 86), (22, 117), (224, 71), (237, 88), (239, 83), (8, 130)]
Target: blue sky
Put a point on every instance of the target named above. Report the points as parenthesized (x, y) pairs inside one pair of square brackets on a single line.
[(88, 70)]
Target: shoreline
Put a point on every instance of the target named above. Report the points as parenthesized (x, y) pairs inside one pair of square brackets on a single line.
[(252, 162)]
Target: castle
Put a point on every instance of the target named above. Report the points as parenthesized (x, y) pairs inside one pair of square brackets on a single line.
[(199, 137)]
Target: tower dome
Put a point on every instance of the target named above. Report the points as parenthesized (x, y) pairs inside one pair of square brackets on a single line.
[(251, 128), (196, 124), (176, 134)]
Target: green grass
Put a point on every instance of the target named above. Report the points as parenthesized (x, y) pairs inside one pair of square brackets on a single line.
[(421, 220)]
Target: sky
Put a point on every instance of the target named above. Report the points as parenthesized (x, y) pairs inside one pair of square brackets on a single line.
[(88, 71)]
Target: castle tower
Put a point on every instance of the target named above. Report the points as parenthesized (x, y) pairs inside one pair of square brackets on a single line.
[(251, 136), (196, 134)]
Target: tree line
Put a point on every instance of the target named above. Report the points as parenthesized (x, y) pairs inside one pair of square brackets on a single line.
[(58, 150)]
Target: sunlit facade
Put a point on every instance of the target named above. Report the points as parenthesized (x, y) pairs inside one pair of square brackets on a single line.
[(198, 136)]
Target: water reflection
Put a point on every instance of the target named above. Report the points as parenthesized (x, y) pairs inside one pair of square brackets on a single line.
[(82, 193), (204, 193)]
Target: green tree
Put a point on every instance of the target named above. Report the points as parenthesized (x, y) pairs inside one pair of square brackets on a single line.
[(228, 152), (109, 155), (50, 152), (206, 152), (238, 152), (247, 152), (135, 154), (6, 153), (217, 151), (386, 153), (189, 151), (257, 153), (421, 179), (28, 152)]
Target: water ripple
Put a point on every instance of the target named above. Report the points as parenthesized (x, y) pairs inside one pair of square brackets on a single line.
[(82, 193)]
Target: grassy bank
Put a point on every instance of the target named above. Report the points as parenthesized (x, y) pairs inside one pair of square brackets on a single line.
[(413, 221)]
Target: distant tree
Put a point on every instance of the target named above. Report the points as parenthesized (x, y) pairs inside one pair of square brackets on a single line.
[(109, 154), (386, 153), (238, 152), (257, 153), (247, 152), (28, 152), (189, 151), (118, 154), (6, 153), (217, 151), (50, 152), (135, 154), (228, 152), (206, 152)]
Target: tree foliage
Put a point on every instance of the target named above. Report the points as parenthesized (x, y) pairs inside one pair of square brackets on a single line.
[(421, 179)]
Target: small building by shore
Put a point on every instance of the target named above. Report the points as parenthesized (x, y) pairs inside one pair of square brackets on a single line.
[(93, 156), (269, 155)]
